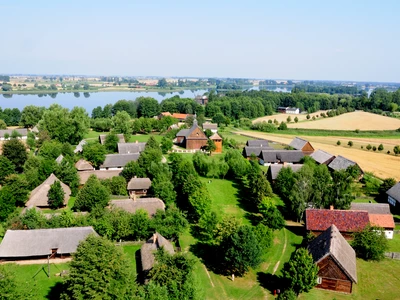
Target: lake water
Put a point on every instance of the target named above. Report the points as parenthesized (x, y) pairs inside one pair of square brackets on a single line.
[(94, 99)]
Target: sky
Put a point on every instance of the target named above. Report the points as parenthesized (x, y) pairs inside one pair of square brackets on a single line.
[(315, 40)]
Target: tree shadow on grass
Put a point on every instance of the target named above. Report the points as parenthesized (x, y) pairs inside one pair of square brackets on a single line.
[(56, 291), (208, 255), (270, 282)]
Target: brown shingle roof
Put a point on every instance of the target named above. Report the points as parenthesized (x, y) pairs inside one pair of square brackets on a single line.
[(39, 197), (83, 165), (345, 220), (151, 205), (139, 184), (125, 148), (148, 249), (384, 220), (332, 243)]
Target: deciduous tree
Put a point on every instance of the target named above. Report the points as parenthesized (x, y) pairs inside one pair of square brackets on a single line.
[(370, 243), (56, 195), (15, 151), (93, 194)]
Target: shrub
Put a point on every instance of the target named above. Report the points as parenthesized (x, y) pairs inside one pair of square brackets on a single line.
[(374, 148), (308, 117), (380, 147), (338, 143), (369, 147), (357, 130), (362, 147), (350, 144)]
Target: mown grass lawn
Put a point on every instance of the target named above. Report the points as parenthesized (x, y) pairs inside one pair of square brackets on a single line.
[(130, 251), (394, 244)]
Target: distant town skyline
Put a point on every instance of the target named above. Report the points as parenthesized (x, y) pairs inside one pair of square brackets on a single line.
[(338, 41)]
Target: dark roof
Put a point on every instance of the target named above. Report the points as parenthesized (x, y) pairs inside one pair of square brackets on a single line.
[(119, 160), (100, 174), (332, 243), (249, 150), (394, 192), (183, 132), (345, 220), (40, 242), (38, 196), (187, 132), (151, 205), (257, 143), (341, 163), (21, 131), (210, 126), (298, 143), (321, 156), (125, 148), (274, 169), (289, 156), (147, 250), (83, 165), (102, 138), (372, 208), (139, 184)]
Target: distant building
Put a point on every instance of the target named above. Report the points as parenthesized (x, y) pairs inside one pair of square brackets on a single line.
[(102, 138), (180, 117), (342, 163), (79, 147), (257, 143), (268, 157), (202, 100), (126, 148), (289, 110), (23, 132), (138, 187), (211, 126), (274, 170), (83, 165), (164, 114)]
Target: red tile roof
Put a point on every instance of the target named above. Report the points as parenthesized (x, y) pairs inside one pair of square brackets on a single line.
[(384, 220), (345, 220), (179, 116)]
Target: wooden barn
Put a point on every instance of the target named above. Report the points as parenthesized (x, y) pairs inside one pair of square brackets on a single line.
[(322, 157), (303, 145), (192, 138), (342, 163), (336, 260), (217, 141)]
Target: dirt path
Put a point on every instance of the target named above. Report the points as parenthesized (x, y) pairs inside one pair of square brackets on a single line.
[(283, 252), (208, 274)]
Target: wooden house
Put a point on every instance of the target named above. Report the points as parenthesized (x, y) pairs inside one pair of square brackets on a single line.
[(347, 221), (118, 161), (336, 261), (192, 138), (274, 170), (217, 141), (322, 157), (7, 133), (83, 165), (303, 145), (268, 157), (42, 243), (211, 126), (138, 187), (100, 174), (394, 194), (342, 163), (126, 148), (257, 143), (150, 205)]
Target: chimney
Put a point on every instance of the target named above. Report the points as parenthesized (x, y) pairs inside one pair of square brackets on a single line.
[(154, 238), (331, 207)]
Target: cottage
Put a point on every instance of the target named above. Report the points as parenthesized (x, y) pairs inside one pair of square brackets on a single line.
[(100, 174), (274, 170), (118, 161), (102, 138), (303, 145), (126, 148), (180, 117), (347, 221), (336, 260), (138, 187), (39, 196), (7, 133), (150, 205), (394, 194), (211, 126), (249, 151), (342, 163), (147, 251), (268, 157), (193, 138), (79, 147), (42, 243), (322, 157), (83, 165), (257, 143), (218, 142)]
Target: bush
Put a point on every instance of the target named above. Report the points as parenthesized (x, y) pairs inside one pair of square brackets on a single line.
[(370, 243), (350, 144), (374, 148), (369, 147), (282, 126), (338, 143), (380, 147)]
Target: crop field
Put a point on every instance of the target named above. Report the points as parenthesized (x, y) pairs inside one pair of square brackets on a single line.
[(351, 121), (381, 164), (283, 117)]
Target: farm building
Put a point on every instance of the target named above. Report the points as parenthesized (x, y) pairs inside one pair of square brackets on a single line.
[(379, 215), (23, 132), (289, 110), (347, 221), (303, 145), (100, 174), (102, 138), (164, 114), (180, 117), (79, 147), (126, 148), (322, 157), (274, 170), (151, 205), (336, 261), (202, 100), (268, 157), (118, 161), (193, 138), (342, 163), (42, 243), (394, 194), (257, 143), (38, 196), (211, 126), (217, 141), (248, 151), (147, 251), (138, 187), (83, 165)]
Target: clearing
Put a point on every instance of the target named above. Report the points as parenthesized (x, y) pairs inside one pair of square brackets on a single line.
[(283, 117)]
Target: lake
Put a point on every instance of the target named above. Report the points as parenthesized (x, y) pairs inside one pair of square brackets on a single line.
[(94, 99)]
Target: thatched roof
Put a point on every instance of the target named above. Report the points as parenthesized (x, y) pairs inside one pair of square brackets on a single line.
[(332, 243), (39, 197), (282, 156), (257, 143), (83, 165), (322, 157), (151, 205), (40, 242), (125, 148), (341, 163), (102, 138), (59, 159), (22, 131), (394, 192), (147, 251), (100, 174), (79, 147), (139, 184), (119, 160), (298, 143), (274, 170), (372, 208), (210, 126)]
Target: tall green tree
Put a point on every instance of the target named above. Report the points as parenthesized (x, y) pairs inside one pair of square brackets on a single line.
[(15, 151), (31, 115), (170, 223), (147, 107), (94, 153), (93, 194), (56, 195), (370, 243), (6, 168), (121, 123)]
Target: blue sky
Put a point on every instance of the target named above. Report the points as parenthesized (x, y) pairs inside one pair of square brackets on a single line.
[(322, 40)]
